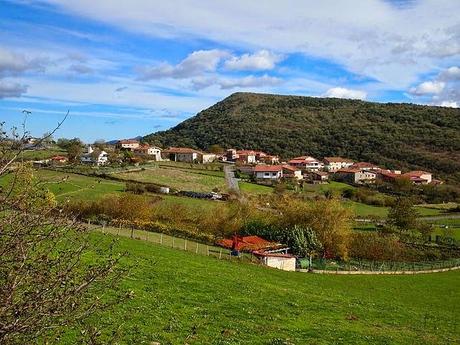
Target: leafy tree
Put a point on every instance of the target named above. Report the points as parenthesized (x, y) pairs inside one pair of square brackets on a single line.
[(74, 151), (304, 242), (216, 149), (45, 285), (403, 215)]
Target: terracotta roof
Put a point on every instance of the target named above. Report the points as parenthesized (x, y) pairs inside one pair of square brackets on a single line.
[(58, 158), (288, 167), (248, 243), (181, 150), (246, 152), (305, 158), (263, 168), (128, 141), (363, 165), (337, 160), (321, 173)]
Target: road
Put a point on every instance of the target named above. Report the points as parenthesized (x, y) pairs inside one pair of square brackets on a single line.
[(232, 181)]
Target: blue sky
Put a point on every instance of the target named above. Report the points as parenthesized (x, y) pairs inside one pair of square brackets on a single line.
[(125, 69)]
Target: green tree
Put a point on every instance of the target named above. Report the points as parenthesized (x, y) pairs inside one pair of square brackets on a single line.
[(403, 215)]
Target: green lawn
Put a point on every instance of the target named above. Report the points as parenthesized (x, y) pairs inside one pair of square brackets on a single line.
[(42, 154), (177, 178), (253, 188), (183, 298), (72, 186)]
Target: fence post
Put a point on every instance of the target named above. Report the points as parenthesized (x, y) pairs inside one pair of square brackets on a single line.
[(207, 250), (196, 251), (220, 253), (161, 238), (89, 222), (118, 231), (103, 228), (185, 244), (132, 232)]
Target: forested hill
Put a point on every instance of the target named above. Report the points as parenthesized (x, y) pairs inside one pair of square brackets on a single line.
[(394, 135)]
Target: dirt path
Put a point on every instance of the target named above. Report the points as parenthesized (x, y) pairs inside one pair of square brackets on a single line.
[(232, 181)]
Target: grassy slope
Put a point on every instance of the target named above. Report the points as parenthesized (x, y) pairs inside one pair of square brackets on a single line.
[(178, 179), (186, 298)]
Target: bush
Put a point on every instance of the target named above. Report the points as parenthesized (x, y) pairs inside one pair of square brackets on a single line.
[(136, 188)]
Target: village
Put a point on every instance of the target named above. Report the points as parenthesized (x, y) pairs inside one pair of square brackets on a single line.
[(262, 167)]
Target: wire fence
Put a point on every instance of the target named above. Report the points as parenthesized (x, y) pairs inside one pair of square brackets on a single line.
[(378, 266), (323, 265), (172, 242)]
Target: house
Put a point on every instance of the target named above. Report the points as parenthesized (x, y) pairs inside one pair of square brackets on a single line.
[(59, 159), (185, 154), (271, 254), (285, 262), (231, 155), (269, 159), (127, 144), (386, 175), (419, 177), (364, 166), (317, 176), (148, 150), (333, 164), (93, 157), (268, 172), (306, 163), (246, 156), (355, 176), (292, 172)]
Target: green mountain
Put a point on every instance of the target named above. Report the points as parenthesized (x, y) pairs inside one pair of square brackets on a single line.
[(403, 136)]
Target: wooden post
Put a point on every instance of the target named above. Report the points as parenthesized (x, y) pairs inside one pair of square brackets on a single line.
[(118, 231), (103, 228), (207, 250), (220, 253), (185, 244), (132, 232), (161, 238), (196, 250)]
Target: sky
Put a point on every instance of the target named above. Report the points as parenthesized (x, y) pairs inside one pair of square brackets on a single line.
[(129, 68)]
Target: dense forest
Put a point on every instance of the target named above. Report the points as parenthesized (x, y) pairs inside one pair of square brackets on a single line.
[(403, 136)]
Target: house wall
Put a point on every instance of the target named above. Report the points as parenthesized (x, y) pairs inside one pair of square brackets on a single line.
[(186, 157), (273, 175), (282, 263), (208, 158)]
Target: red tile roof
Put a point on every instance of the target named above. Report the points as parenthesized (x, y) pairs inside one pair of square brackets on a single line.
[(288, 167), (363, 165), (128, 141), (247, 243), (263, 168), (181, 150), (348, 171), (58, 158)]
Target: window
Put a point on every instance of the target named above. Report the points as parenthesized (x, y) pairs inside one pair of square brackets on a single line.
[(267, 174)]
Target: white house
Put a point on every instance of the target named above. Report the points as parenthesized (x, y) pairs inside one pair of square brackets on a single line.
[(307, 163), (128, 144), (153, 151), (290, 171), (90, 158), (285, 262), (333, 164), (271, 172)]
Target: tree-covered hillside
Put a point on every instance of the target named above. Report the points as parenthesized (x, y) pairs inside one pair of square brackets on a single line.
[(403, 136)]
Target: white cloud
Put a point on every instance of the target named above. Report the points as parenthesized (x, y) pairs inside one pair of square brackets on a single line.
[(196, 63), (444, 89), (452, 73), (80, 69), (12, 63), (231, 83), (428, 87), (450, 104), (11, 89), (341, 92), (261, 60), (373, 39)]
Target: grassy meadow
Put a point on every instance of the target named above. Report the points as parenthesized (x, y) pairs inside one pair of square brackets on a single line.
[(176, 178), (183, 298)]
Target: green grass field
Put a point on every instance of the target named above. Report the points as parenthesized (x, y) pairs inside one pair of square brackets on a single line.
[(176, 178), (72, 186), (183, 298)]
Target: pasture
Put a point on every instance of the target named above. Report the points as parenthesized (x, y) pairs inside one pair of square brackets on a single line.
[(179, 297)]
